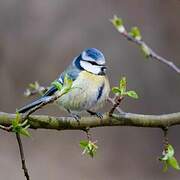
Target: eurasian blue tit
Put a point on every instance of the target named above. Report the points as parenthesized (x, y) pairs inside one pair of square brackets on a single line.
[(88, 73)]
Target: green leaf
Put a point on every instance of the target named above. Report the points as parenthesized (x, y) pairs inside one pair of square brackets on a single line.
[(135, 33), (24, 123), (164, 157), (18, 127), (173, 163), (24, 132), (132, 94), (116, 90), (89, 147), (67, 80), (165, 166), (84, 143), (122, 85), (170, 151), (67, 84), (34, 85), (168, 159), (15, 121), (118, 23), (121, 90), (57, 84), (146, 51)]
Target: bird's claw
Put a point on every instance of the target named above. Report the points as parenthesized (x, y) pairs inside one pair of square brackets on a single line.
[(76, 117), (98, 114)]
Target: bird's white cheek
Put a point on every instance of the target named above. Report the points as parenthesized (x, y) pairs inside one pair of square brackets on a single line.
[(90, 68)]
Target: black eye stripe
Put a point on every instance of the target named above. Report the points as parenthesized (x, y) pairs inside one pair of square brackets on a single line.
[(92, 62)]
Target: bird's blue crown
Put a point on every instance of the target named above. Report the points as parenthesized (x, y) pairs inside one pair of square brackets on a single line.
[(93, 55)]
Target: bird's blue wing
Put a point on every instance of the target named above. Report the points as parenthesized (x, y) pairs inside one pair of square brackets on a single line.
[(72, 71)]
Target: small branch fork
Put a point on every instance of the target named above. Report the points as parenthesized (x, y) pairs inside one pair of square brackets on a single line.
[(116, 101)]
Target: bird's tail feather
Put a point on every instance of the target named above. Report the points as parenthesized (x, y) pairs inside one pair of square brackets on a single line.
[(32, 105)]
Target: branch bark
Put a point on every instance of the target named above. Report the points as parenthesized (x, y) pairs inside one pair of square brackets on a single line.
[(68, 123)]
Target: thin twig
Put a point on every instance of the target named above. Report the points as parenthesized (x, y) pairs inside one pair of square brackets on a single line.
[(116, 102), (23, 161), (88, 134), (38, 89), (6, 128), (18, 137), (29, 92), (112, 101), (151, 53), (50, 100), (166, 142)]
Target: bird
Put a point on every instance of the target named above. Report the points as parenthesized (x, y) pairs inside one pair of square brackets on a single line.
[(91, 85)]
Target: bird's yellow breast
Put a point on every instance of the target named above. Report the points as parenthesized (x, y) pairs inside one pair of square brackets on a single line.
[(94, 80), (85, 92)]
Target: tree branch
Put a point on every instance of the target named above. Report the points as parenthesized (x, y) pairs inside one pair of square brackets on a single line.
[(135, 37), (151, 52), (68, 123)]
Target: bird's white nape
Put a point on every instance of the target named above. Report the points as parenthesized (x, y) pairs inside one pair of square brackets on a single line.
[(95, 69)]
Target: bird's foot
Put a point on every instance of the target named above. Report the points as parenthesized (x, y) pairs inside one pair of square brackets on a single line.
[(98, 114), (75, 116)]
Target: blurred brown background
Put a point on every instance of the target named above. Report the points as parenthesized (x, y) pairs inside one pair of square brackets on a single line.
[(39, 38)]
